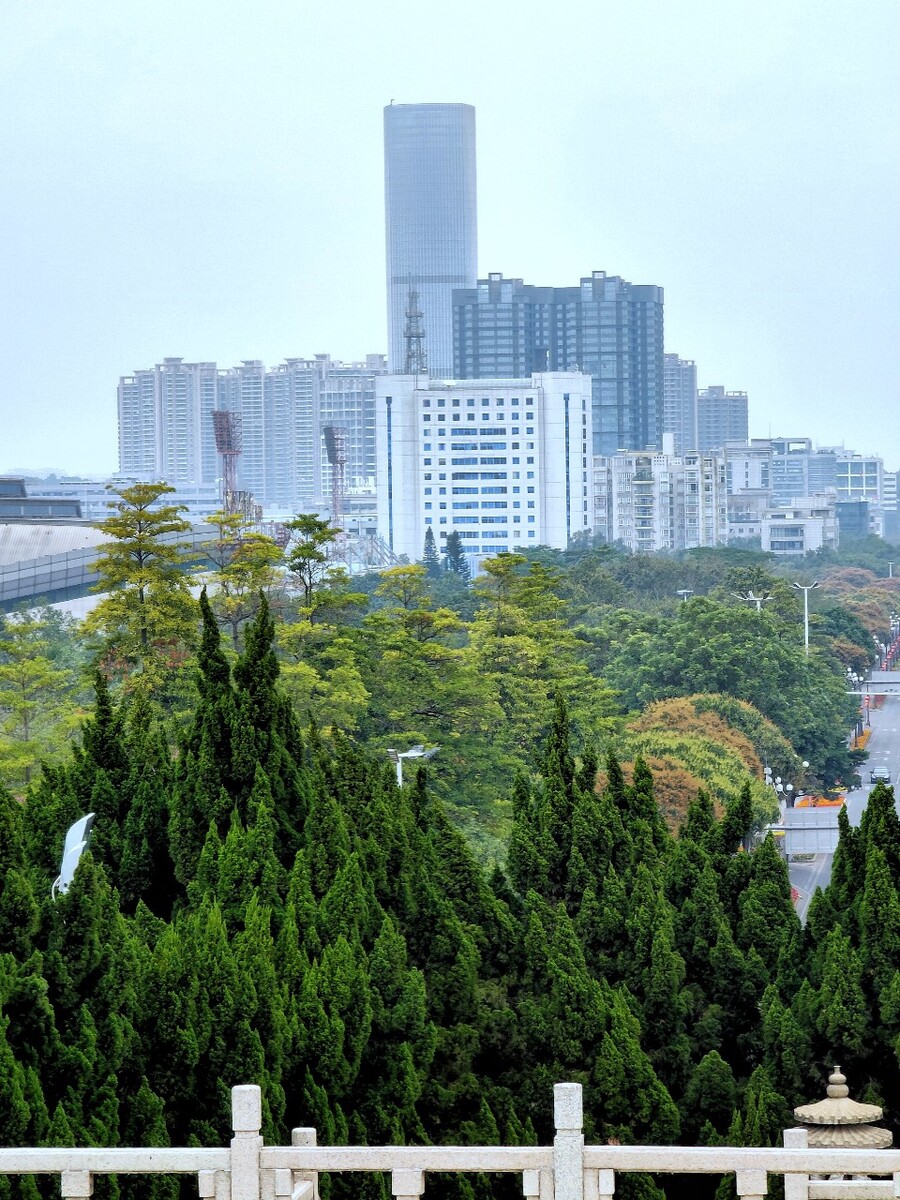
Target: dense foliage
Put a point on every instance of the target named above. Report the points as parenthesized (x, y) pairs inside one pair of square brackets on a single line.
[(262, 904)]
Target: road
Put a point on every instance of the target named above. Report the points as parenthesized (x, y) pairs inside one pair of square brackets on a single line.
[(884, 751)]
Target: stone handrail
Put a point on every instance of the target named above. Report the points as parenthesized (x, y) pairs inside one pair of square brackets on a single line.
[(567, 1170)]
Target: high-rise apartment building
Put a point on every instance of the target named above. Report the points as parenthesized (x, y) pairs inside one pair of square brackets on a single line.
[(431, 222), (165, 427), (680, 401), (502, 462), (721, 417), (606, 327), (660, 501), (166, 430)]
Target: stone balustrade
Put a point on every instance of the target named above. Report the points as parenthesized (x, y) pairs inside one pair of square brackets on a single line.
[(567, 1170)]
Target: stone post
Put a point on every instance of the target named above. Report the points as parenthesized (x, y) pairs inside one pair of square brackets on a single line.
[(796, 1187), (304, 1135), (246, 1120), (568, 1145)]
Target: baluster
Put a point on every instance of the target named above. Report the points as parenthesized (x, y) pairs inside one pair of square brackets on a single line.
[(76, 1185), (305, 1184), (568, 1145), (246, 1120)]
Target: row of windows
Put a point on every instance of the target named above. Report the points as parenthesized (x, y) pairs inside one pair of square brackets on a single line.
[(426, 420), (500, 402)]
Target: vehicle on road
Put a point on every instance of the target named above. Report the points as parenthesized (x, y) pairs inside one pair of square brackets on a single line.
[(880, 775)]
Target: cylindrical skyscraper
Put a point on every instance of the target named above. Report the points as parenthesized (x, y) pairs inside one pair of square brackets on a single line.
[(431, 224)]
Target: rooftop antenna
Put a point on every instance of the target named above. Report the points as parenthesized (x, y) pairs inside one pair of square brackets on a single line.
[(414, 336)]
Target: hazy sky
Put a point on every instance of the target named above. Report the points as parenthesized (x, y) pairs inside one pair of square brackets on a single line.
[(205, 179)]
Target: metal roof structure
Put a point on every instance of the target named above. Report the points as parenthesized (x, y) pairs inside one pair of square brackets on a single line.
[(21, 541)]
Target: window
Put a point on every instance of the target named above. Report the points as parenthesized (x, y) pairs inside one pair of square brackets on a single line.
[(485, 402), (456, 416), (428, 491), (529, 429), (426, 403), (459, 504), (485, 416), (493, 504), (442, 491), (427, 475), (427, 417), (516, 490), (442, 504), (465, 491), (470, 404), (427, 504), (442, 403), (529, 474), (427, 446), (427, 464), (456, 402), (463, 462), (470, 417)]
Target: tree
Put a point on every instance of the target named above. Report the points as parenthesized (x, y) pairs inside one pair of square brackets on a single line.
[(247, 565), (308, 551), (430, 556), (454, 556), (35, 716), (148, 617)]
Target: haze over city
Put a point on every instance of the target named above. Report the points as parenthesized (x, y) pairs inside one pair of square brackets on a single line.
[(203, 181)]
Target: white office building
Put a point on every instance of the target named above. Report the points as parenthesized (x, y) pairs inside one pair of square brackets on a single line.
[(502, 462), (648, 501)]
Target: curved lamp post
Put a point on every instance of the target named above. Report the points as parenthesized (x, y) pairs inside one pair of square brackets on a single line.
[(78, 839), (414, 752)]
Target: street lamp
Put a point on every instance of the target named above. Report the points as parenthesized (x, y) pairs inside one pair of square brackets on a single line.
[(750, 598), (806, 590), (414, 752)]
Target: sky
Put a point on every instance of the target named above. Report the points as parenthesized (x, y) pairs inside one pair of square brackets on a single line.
[(204, 178)]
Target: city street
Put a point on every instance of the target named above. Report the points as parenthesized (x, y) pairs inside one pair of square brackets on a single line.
[(884, 751)]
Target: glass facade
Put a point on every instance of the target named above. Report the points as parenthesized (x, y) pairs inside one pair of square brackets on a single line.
[(606, 327), (431, 224)]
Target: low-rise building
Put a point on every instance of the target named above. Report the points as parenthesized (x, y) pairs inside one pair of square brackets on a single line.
[(810, 523)]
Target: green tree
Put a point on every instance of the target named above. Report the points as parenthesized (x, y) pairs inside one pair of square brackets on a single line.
[(36, 713), (455, 559), (309, 551), (246, 565), (148, 617), (430, 556)]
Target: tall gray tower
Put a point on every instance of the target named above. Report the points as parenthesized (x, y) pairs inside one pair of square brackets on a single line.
[(431, 224)]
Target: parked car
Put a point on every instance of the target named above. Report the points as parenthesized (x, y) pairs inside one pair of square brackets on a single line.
[(880, 775)]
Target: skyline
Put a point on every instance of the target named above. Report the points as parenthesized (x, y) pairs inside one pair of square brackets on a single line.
[(152, 211)]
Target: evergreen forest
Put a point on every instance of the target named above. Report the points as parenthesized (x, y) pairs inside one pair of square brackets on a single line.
[(578, 887)]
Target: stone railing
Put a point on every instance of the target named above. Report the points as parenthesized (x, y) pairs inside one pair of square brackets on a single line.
[(567, 1170)]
